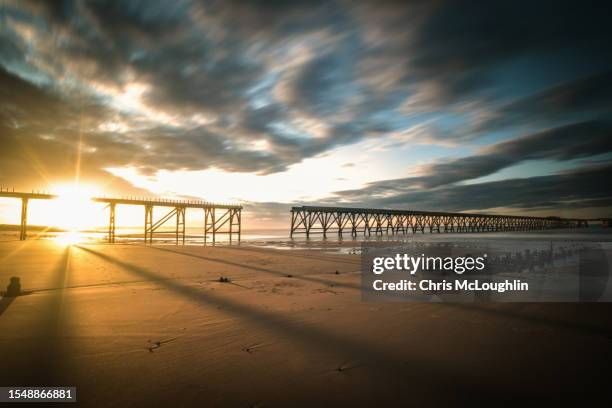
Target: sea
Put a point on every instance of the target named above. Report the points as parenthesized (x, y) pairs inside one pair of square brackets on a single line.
[(333, 243)]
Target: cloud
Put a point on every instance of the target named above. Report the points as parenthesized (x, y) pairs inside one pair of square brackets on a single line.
[(563, 143), (575, 141), (579, 188), (42, 137), (576, 98), (458, 46), (258, 86)]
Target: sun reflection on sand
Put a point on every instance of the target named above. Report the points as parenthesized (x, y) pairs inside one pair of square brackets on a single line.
[(69, 238)]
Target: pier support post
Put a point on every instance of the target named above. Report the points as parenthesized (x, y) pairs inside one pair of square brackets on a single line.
[(24, 219), (231, 224), (111, 223), (148, 223), (239, 224), (206, 211), (180, 224), (214, 226)]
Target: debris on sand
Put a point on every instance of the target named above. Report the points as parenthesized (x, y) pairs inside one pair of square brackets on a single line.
[(337, 273), (223, 279), (251, 349), (157, 344), (345, 367)]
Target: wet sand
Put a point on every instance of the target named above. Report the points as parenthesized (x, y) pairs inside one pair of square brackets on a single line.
[(131, 325)]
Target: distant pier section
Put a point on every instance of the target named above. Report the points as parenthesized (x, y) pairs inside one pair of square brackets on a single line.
[(218, 218), (310, 220)]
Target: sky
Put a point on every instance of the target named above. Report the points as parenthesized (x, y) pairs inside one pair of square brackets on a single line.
[(493, 107)]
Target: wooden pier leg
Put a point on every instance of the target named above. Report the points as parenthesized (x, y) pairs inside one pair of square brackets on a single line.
[(23, 232), (178, 223), (239, 223), (183, 211), (148, 223), (214, 226), (111, 223), (323, 217), (205, 224), (231, 224)]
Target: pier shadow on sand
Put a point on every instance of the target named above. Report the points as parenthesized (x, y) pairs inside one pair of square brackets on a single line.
[(491, 310), (417, 370), (311, 279), (424, 375)]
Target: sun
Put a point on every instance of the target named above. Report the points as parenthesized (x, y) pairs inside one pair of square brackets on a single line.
[(73, 210)]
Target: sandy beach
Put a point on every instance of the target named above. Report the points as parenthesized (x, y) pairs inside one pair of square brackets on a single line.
[(153, 326)]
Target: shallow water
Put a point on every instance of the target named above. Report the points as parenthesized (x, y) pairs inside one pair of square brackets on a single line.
[(346, 244)]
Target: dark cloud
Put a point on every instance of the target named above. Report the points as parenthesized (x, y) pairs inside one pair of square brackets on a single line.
[(42, 137), (586, 96), (460, 44), (564, 143), (324, 85), (580, 188)]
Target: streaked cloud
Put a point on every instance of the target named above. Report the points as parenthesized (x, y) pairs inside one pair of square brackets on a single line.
[(137, 90)]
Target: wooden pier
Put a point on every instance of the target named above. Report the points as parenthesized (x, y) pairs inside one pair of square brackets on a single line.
[(218, 218), (310, 220)]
